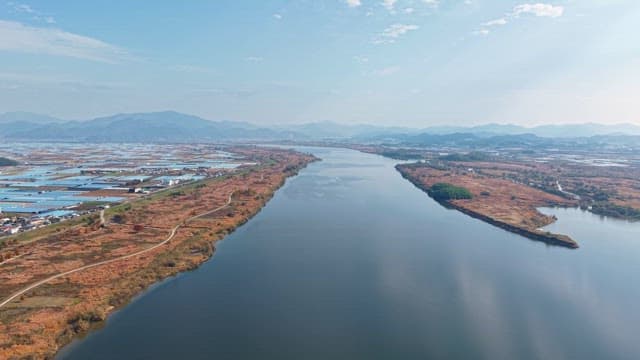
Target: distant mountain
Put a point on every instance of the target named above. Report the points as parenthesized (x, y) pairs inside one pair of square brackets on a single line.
[(524, 142), (24, 121), (585, 130), (167, 126), (21, 116), (564, 130), (488, 129), (332, 130), (171, 126)]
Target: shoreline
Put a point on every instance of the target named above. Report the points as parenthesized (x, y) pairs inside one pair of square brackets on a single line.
[(193, 245), (548, 238)]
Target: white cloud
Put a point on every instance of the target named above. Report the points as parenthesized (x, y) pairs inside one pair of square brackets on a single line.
[(253, 58), (546, 10), (354, 3), (21, 8), (537, 9), (390, 34), (501, 21), (409, 10), (389, 4), (277, 16), (17, 37), (396, 30)]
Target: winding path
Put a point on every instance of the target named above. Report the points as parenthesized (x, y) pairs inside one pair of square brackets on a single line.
[(172, 234)]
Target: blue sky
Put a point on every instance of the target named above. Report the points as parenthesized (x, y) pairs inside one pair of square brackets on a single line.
[(404, 62)]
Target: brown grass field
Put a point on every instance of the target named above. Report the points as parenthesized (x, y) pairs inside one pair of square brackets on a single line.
[(36, 324)]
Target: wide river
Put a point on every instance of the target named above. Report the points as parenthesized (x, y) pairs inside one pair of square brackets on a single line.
[(351, 261)]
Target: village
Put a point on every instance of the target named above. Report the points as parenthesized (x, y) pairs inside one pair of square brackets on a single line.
[(71, 180)]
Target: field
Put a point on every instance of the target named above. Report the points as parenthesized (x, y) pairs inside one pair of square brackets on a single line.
[(193, 217)]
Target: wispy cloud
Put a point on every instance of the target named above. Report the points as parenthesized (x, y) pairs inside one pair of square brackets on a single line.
[(253, 59), (17, 37), (27, 9), (389, 4), (21, 8), (393, 32), (537, 9), (277, 16), (353, 3), (501, 21)]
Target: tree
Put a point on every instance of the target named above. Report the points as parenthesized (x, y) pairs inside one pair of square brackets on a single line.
[(446, 191)]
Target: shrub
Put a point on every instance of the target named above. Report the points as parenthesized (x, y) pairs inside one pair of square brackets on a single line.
[(472, 156), (446, 191), (613, 210)]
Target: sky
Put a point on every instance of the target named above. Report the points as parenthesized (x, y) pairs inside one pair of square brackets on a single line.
[(412, 63)]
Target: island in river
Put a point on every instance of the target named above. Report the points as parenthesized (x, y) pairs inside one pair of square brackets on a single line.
[(60, 281)]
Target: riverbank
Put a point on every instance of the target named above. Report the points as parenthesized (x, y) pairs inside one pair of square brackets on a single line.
[(381, 271), (168, 232), (507, 205)]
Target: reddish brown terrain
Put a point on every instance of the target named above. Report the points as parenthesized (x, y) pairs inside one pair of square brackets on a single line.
[(499, 201), (508, 186), (190, 219)]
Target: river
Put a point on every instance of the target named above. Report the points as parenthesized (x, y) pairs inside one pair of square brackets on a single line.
[(351, 261)]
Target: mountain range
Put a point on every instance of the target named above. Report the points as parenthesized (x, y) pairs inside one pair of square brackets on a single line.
[(171, 126), (167, 126)]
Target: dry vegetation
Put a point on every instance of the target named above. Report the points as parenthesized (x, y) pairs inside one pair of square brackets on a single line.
[(606, 190), (510, 183), (39, 322), (497, 200)]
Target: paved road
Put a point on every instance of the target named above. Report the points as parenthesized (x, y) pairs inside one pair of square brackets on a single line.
[(124, 257)]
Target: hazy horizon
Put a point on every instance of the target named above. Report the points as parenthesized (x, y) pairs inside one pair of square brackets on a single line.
[(406, 63), (284, 125)]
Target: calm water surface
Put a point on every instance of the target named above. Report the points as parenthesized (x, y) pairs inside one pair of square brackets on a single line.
[(349, 260)]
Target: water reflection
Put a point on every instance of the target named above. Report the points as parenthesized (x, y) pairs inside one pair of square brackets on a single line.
[(349, 260)]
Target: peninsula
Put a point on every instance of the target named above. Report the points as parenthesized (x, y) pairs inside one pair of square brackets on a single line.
[(503, 203)]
